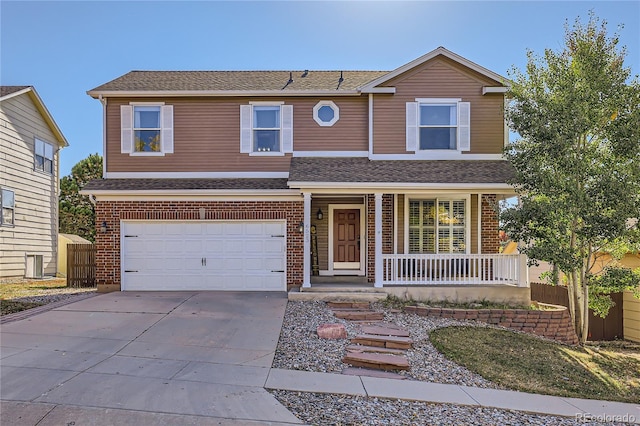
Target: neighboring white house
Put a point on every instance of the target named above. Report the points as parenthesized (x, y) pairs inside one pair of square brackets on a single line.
[(30, 143)]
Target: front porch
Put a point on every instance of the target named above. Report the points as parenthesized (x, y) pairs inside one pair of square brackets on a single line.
[(384, 238)]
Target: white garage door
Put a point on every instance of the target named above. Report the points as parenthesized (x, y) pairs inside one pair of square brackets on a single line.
[(229, 255)]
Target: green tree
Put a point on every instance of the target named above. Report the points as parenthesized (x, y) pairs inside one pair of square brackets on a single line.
[(77, 214), (577, 163)]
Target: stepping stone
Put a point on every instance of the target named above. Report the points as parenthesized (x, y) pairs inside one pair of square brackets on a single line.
[(331, 331), (393, 342), (376, 361), (360, 315), (388, 325), (374, 349), (367, 372), (352, 305), (385, 331)]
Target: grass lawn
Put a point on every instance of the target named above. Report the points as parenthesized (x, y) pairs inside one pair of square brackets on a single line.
[(609, 371)]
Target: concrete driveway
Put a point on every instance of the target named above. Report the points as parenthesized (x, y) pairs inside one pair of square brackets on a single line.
[(161, 358)]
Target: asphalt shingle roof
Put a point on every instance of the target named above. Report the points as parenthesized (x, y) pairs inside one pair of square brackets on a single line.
[(7, 90), (308, 169), (183, 184), (152, 81)]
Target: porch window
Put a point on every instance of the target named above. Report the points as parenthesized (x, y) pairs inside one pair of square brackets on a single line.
[(437, 226)]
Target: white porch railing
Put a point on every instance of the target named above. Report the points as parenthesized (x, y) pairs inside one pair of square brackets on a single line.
[(455, 269)]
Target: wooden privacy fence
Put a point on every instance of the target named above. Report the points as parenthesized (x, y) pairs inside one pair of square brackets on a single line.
[(609, 328), (81, 265)]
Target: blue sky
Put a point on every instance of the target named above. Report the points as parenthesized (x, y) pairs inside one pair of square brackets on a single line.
[(67, 48)]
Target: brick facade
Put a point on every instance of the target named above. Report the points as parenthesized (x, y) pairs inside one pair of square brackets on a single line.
[(112, 212), (552, 324), (490, 226)]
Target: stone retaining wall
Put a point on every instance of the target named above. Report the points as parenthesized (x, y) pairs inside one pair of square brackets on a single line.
[(553, 324)]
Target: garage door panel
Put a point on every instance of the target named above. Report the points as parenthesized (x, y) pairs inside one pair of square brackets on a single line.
[(225, 255)]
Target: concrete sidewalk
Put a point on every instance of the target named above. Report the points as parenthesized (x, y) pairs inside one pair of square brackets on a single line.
[(580, 409)]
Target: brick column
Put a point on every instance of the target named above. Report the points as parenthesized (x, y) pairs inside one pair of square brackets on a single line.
[(489, 226)]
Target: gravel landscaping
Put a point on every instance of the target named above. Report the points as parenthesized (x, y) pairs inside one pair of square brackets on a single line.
[(299, 348), (325, 409)]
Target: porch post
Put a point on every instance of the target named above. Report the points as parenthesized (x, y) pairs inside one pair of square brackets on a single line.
[(378, 239), (306, 246)]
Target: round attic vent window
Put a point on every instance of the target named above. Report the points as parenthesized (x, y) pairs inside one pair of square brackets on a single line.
[(326, 113)]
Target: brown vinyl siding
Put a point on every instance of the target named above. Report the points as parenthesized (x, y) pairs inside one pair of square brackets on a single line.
[(439, 78), (207, 135)]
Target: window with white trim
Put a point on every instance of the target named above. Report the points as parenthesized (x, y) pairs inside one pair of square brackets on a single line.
[(438, 124), (437, 226), (266, 129), (326, 113), (44, 156), (147, 129), (8, 202)]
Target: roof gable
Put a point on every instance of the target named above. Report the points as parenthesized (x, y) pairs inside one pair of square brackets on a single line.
[(8, 92), (372, 85)]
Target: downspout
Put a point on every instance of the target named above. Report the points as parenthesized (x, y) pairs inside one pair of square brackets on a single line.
[(103, 101), (370, 126)]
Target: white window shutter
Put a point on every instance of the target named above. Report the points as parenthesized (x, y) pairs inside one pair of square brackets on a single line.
[(126, 128), (166, 134), (287, 128), (412, 126), (245, 129), (464, 120)]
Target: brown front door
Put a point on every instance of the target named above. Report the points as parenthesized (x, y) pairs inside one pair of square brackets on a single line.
[(346, 239)]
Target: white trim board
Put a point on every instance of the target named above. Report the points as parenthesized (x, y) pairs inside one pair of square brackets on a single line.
[(195, 175)]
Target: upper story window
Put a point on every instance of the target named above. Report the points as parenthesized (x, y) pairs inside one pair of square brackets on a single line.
[(326, 113), (266, 128), (44, 156), (147, 129), (438, 124), (8, 202)]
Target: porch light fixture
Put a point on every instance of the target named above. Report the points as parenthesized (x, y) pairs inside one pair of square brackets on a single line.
[(301, 227), (104, 228), (319, 214)]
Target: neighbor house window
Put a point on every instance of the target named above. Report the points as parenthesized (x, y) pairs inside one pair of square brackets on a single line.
[(147, 129), (266, 129), (438, 124), (8, 202), (437, 226), (44, 156)]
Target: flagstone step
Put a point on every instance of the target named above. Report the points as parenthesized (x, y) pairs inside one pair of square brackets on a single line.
[(359, 315), (393, 342), (376, 361), (375, 349), (368, 372), (348, 305), (383, 330)]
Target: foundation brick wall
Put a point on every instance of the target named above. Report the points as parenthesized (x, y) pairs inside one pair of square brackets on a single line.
[(490, 225), (371, 234), (552, 324), (112, 212)]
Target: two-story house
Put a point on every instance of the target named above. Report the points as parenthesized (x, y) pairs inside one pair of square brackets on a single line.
[(30, 143), (267, 180)]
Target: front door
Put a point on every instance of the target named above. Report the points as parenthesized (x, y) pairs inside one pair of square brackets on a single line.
[(346, 239)]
